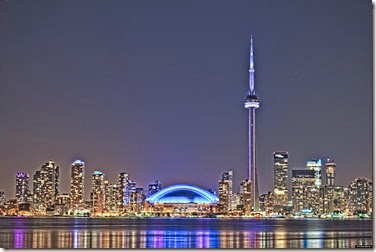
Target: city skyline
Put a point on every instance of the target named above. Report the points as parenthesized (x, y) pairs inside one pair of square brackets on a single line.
[(117, 121)]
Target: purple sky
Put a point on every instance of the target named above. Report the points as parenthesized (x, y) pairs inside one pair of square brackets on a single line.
[(156, 88)]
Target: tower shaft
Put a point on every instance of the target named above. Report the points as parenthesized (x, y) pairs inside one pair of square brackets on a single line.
[(252, 103)]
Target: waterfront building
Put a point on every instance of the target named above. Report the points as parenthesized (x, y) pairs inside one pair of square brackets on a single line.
[(246, 192), (37, 192), (267, 203), (225, 191), (281, 193), (124, 194), (236, 206), (11, 207), (111, 205), (316, 166), (331, 199), (154, 187), (77, 185), (304, 191), (330, 172), (97, 193), (50, 183), (137, 200), (63, 204), (360, 196), (22, 187), (2, 198), (45, 187), (251, 102), (181, 200)]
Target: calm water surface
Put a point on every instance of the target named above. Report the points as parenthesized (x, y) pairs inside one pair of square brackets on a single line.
[(182, 233)]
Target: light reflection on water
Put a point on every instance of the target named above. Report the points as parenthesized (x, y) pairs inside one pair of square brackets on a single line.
[(23, 233)]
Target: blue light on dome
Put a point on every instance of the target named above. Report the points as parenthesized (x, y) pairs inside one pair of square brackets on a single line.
[(183, 194)]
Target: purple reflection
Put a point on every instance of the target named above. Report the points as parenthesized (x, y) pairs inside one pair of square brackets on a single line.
[(19, 241)]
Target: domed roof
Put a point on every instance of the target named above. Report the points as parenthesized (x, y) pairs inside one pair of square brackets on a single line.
[(183, 194)]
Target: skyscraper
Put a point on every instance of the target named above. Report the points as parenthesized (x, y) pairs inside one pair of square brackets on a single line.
[(251, 103), (37, 192), (49, 184), (111, 197), (225, 191), (154, 187), (22, 187), (304, 190), (330, 172), (360, 196), (77, 185), (97, 193), (246, 192), (124, 195), (281, 196), (315, 165)]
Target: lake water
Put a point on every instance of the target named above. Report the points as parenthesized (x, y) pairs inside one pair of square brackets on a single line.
[(182, 233)]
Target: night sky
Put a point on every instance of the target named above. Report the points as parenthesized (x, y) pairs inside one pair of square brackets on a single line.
[(156, 88)]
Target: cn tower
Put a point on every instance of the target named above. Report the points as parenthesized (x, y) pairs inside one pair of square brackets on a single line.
[(251, 103)]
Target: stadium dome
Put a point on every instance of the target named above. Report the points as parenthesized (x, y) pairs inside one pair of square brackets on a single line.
[(183, 194)]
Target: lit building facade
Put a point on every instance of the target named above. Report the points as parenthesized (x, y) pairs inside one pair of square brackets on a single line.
[(267, 202), (46, 187), (111, 205), (225, 191), (97, 193), (281, 193), (330, 172), (331, 199), (246, 192), (22, 187), (124, 194), (316, 166), (154, 187), (181, 200), (304, 191), (360, 196), (252, 102), (77, 185), (2, 198), (63, 204)]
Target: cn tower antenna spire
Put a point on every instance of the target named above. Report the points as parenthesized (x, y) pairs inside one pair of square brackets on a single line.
[(251, 70)]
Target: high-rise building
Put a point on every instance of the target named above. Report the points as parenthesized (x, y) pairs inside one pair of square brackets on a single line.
[(37, 192), (246, 192), (46, 187), (331, 199), (225, 191), (267, 202), (228, 176), (124, 195), (137, 199), (281, 193), (2, 198), (251, 103), (111, 197), (97, 193), (304, 190), (77, 185), (224, 196), (154, 187), (22, 187), (316, 166), (330, 172), (360, 196)]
